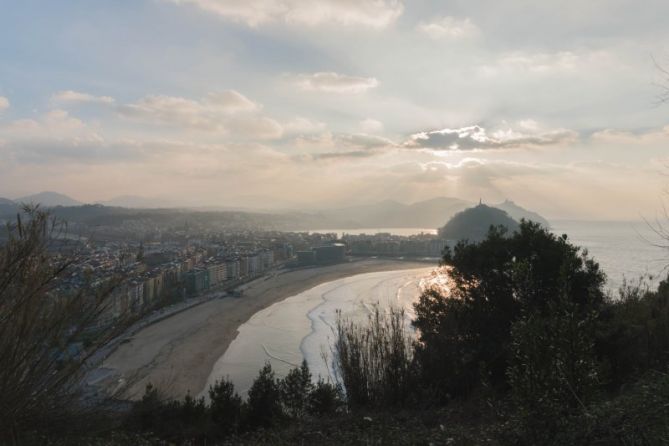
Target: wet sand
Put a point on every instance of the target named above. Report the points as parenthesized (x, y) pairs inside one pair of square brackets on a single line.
[(177, 354)]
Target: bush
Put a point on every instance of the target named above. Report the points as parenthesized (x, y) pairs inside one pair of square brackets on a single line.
[(553, 370), (172, 420), (144, 416), (325, 399), (639, 416), (374, 361), (634, 334)]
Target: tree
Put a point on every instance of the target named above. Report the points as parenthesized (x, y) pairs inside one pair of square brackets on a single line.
[(295, 390), (41, 330), (226, 407), (465, 337), (265, 399)]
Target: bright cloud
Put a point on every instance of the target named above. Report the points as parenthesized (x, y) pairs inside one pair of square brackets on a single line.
[(4, 103), (478, 138), (366, 13), (72, 96), (330, 82), (449, 28)]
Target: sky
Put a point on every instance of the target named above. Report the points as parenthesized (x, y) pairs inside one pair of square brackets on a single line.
[(557, 105)]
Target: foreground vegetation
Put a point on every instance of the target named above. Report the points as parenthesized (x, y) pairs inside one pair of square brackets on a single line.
[(526, 349)]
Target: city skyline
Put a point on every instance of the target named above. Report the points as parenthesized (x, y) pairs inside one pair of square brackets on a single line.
[(287, 104)]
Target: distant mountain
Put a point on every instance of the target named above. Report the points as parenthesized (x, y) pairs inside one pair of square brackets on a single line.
[(517, 213), (50, 199), (392, 214), (135, 201), (473, 223), (7, 207)]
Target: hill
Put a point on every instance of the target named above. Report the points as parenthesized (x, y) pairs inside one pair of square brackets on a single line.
[(473, 223), (7, 208), (50, 199), (518, 213)]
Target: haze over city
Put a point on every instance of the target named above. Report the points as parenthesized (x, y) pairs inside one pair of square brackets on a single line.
[(310, 105)]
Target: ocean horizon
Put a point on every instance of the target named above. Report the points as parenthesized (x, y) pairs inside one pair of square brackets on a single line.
[(625, 250)]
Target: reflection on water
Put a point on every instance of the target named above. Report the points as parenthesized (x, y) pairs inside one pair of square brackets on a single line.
[(301, 326)]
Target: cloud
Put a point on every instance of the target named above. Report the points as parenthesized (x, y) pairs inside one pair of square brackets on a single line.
[(477, 138), (72, 96), (363, 141), (341, 146), (449, 28), (4, 103), (365, 13), (303, 126), (371, 126), (626, 137), (347, 155), (55, 134), (329, 142), (545, 63), (331, 82), (227, 112)]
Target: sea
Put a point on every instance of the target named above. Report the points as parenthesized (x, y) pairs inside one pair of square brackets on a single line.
[(625, 250), (302, 326)]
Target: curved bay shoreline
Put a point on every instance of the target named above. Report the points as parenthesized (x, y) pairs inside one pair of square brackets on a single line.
[(177, 354)]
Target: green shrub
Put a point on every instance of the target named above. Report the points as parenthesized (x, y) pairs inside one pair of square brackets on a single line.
[(553, 369), (325, 399), (639, 416), (633, 336), (374, 360)]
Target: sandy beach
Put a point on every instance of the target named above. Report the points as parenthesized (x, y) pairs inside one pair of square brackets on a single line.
[(177, 354)]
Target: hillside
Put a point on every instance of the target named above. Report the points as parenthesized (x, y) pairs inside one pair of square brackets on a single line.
[(49, 199), (7, 208), (473, 223)]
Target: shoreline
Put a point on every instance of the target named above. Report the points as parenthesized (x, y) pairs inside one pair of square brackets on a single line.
[(177, 354)]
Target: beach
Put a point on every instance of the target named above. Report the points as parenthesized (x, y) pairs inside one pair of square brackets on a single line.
[(178, 354)]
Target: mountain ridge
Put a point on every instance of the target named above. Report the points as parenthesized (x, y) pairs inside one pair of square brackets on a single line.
[(49, 199)]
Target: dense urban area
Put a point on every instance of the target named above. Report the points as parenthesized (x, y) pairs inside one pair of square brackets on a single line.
[(154, 273)]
